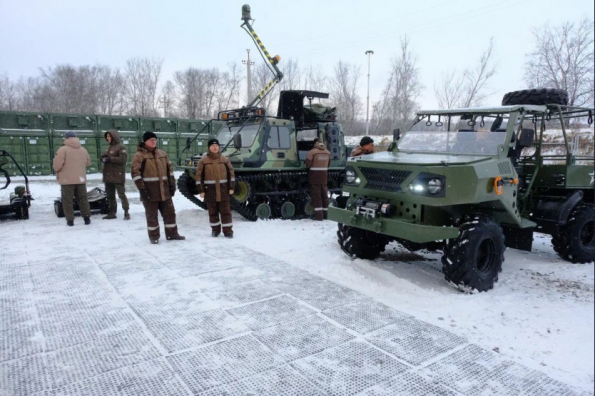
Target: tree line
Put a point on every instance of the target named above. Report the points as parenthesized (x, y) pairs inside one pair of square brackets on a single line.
[(560, 57)]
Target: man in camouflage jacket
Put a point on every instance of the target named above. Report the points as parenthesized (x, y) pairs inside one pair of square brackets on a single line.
[(215, 180), (153, 174), (114, 174)]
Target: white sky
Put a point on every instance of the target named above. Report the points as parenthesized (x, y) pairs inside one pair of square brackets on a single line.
[(444, 34)]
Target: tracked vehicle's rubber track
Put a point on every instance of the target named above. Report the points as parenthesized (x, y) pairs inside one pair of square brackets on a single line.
[(183, 187)]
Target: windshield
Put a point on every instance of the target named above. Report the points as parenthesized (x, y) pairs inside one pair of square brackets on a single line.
[(248, 133), (466, 134)]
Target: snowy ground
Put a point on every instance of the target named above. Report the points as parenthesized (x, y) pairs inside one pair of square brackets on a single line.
[(98, 309)]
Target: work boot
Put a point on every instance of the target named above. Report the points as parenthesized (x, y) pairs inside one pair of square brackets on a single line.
[(230, 236), (126, 215), (176, 238), (215, 234), (70, 223), (110, 216), (154, 241), (87, 220)]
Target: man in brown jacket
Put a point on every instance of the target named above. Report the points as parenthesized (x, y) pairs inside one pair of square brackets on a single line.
[(114, 174), (366, 146), (215, 179), (317, 162), (153, 174), (70, 165)]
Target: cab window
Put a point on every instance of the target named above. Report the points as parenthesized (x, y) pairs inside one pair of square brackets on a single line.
[(279, 138)]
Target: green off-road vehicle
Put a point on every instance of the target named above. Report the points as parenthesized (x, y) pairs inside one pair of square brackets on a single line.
[(474, 181)]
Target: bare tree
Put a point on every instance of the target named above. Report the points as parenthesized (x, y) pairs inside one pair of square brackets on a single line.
[(111, 91), (167, 99), (70, 89), (396, 108), (142, 79), (226, 94), (469, 88), (315, 79), (190, 88), (292, 75), (260, 78), (8, 94), (344, 89), (563, 59)]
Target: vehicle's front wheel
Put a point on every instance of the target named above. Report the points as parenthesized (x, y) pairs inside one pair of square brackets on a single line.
[(575, 242), (473, 260), (360, 243)]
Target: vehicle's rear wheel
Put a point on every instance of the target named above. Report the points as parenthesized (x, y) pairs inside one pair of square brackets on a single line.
[(361, 243), (575, 241), (473, 260), (541, 96), (58, 209)]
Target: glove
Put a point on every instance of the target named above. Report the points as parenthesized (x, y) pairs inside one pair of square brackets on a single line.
[(144, 195), (172, 190), (105, 160)]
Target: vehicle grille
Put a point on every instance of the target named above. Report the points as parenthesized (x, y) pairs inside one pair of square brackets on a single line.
[(384, 179)]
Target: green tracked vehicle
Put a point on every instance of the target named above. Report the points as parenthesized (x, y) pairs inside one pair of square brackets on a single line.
[(268, 152), (474, 181)]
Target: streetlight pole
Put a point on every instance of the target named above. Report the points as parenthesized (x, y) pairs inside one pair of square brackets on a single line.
[(369, 52)]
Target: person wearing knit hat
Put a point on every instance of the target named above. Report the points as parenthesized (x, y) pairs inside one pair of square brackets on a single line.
[(215, 180), (153, 174), (114, 174), (70, 165), (366, 146), (317, 162)]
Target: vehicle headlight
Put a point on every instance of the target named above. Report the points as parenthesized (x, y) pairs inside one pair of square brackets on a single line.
[(349, 176), (434, 186)]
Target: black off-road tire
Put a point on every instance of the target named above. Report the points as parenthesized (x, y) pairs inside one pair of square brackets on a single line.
[(540, 96), (22, 212), (575, 242), (473, 260), (360, 243), (58, 209)]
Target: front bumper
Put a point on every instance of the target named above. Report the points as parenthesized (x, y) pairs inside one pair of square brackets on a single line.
[(401, 229)]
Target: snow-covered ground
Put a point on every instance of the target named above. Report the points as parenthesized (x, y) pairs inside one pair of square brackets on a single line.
[(540, 314)]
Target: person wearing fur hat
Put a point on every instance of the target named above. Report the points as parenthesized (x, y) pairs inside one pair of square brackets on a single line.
[(366, 146), (70, 164), (215, 180), (317, 162), (114, 174), (153, 174)]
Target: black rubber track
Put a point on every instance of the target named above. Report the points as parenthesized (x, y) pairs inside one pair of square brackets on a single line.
[(184, 188), (540, 96)]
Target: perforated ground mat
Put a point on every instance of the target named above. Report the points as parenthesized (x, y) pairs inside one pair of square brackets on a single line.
[(221, 320)]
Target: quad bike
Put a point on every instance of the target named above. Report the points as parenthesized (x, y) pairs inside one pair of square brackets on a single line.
[(97, 201), (20, 200)]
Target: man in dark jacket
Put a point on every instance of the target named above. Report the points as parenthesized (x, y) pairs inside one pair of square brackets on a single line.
[(215, 180), (114, 174), (317, 162), (366, 146), (153, 174)]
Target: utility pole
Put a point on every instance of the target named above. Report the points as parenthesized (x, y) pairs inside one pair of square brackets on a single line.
[(369, 52), (248, 64), (165, 104)]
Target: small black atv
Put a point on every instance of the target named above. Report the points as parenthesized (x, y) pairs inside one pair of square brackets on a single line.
[(97, 202), (20, 200)]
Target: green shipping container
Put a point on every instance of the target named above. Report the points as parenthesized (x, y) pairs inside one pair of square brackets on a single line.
[(16, 147), (128, 128), (38, 152)]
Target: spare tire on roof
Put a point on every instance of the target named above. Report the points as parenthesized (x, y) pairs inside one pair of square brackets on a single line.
[(539, 96)]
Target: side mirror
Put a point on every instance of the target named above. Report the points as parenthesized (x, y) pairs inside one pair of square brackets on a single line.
[(396, 134), (237, 141)]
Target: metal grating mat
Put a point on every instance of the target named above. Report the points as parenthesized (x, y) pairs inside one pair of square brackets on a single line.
[(194, 268), (24, 376), (230, 295), (23, 339), (270, 312), (232, 276), (365, 316), (475, 371), (195, 330), (410, 384), (222, 363), (129, 285), (101, 355), (414, 341), (348, 368), (82, 325), (172, 306), (15, 279), (148, 378), (280, 381), (130, 267), (319, 292), (302, 337)]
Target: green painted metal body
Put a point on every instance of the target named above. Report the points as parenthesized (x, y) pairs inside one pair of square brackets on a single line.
[(433, 149)]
